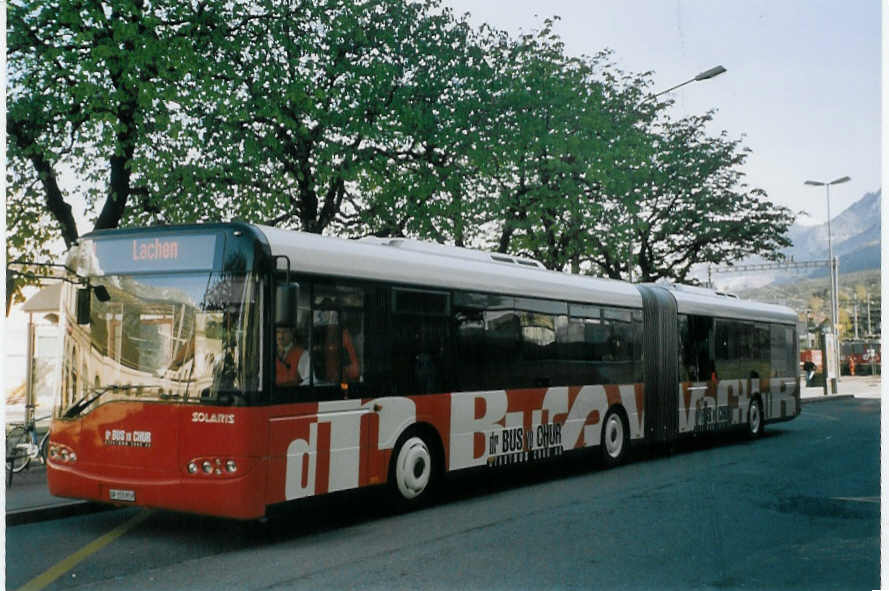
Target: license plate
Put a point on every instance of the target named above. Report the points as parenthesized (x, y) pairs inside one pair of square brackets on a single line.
[(117, 494)]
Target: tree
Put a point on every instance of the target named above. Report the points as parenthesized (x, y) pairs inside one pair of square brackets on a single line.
[(387, 117), (426, 183), (95, 90), (324, 112), (688, 205), (585, 171), (559, 127)]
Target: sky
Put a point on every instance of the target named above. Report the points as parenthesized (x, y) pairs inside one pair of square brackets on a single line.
[(802, 83)]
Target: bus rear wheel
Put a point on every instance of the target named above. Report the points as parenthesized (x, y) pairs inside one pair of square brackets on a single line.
[(412, 473), (615, 438), (754, 419)]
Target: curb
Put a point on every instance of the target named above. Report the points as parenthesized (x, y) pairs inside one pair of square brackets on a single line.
[(827, 398), (48, 512)]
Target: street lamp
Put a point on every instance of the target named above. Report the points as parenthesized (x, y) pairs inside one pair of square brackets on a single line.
[(834, 272), (705, 75)]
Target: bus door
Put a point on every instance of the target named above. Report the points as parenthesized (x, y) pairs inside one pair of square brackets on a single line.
[(660, 345), (317, 423)]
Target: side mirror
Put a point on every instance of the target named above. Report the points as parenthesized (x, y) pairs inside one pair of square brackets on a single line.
[(286, 298), (83, 305)]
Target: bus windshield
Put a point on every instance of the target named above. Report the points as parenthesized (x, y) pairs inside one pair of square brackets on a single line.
[(184, 337)]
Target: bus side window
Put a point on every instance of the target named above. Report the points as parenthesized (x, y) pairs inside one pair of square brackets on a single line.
[(783, 351), (578, 343), (701, 349), (688, 369), (469, 337), (487, 341), (620, 347), (338, 339), (420, 341), (762, 352), (292, 353)]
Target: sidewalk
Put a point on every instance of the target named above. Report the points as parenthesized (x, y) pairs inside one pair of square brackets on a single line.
[(848, 387), (28, 498)]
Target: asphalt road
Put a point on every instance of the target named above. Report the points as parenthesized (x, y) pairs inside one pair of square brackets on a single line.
[(798, 509)]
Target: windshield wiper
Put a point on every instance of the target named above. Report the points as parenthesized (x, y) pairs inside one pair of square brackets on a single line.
[(77, 407)]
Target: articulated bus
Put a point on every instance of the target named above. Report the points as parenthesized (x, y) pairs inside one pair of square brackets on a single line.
[(225, 369)]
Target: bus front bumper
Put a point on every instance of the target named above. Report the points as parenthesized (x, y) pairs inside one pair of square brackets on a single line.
[(237, 497)]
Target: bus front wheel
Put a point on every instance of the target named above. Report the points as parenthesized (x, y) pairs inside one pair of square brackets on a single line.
[(413, 471)]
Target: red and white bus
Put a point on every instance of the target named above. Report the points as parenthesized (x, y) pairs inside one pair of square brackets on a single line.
[(223, 369)]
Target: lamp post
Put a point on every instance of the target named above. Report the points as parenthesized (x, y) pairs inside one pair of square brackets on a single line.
[(834, 272), (705, 75)]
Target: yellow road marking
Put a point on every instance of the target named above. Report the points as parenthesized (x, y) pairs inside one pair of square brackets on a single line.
[(59, 569)]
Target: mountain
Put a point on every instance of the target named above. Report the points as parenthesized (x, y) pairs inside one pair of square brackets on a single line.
[(855, 234)]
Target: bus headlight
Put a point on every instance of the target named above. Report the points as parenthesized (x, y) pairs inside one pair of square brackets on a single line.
[(213, 466), (60, 453)]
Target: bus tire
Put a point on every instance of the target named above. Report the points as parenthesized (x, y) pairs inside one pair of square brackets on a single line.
[(412, 472), (615, 438), (754, 419)]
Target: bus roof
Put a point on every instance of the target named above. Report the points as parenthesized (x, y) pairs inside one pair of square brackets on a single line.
[(427, 264), (708, 302), (431, 265)]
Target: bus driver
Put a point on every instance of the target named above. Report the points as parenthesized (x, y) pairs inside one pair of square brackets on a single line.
[(291, 360)]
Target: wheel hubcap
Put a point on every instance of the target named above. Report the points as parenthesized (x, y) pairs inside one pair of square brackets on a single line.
[(614, 436), (413, 468)]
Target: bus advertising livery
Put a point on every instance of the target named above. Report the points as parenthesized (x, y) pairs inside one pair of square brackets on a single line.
[(223, 369)]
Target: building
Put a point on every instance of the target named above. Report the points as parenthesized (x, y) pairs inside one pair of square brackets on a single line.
[(32, 333)]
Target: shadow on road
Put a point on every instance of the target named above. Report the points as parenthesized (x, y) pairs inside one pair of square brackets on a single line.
[(299, 519)]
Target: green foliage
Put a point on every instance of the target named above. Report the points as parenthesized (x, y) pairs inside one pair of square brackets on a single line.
[(560, 133), (687, 204), (423, 181), (382, 117), (95, 95), (354, 116)]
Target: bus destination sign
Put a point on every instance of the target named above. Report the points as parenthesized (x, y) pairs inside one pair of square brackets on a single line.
[(156, 249), (156, 253)]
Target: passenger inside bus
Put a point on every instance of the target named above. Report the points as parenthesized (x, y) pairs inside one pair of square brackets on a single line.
[(292, 361), (334, 346)]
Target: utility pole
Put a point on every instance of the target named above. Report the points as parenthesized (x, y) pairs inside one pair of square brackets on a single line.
[(29, 373), (869, 332), (855, 310), (834, 276)]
